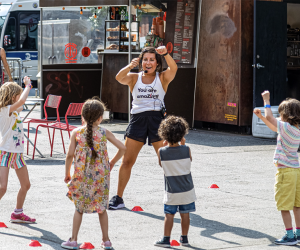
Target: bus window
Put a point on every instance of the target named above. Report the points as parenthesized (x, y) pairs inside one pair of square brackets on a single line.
[(10, 34), (28, 31)]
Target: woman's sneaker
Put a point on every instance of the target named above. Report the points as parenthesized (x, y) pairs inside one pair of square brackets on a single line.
[(285, 240), (184, 240), (116, 202), (162, 243), (106, 245), (21, 218), (69, 244)]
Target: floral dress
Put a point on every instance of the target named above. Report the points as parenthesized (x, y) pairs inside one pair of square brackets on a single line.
[(89, 186)]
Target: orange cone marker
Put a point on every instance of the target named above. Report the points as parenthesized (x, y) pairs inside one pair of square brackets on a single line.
[(2, 224), (86, 245), (214, 186), (137, 209), (34, 243), (174, 243)]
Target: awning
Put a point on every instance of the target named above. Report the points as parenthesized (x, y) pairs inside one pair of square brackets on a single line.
[(81, 3)]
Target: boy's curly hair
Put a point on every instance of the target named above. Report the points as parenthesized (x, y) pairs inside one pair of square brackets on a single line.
[(289, 110), (8, 91), (91, 111), (173, 129)]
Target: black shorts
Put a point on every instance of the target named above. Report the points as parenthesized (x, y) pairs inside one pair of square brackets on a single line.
[(143, 125)]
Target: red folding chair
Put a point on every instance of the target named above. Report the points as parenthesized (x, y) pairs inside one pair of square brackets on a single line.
[(52, 101), (74, 109)]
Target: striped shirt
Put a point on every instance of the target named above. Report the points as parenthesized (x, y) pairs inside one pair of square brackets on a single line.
[(179, 187), (288, 140)]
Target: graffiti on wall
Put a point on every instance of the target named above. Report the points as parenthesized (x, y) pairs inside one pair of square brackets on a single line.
[(221, 23)]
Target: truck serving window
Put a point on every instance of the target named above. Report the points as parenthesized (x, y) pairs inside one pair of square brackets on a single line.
[(10, 34), (29, 31)]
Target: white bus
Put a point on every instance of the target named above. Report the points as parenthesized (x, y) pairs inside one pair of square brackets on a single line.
[(19, 35)]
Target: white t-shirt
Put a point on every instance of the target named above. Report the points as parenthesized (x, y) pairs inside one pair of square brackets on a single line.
[(11, 131)]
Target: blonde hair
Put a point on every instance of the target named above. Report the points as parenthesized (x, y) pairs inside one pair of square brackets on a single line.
[(91, 111), (8, 91), (289, 110)]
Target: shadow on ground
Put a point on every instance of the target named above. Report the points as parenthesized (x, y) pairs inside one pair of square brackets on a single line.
[(212, 227)]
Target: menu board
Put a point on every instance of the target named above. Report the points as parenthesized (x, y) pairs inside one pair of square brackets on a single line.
[(184, 30)]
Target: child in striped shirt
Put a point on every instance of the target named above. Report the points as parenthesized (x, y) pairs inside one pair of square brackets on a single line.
[(176, 160), (287, 180)]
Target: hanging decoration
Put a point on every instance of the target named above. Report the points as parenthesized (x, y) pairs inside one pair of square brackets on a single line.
[(81, 12), (95, 16)]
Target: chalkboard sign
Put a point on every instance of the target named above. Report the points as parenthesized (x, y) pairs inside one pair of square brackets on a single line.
[(184, 30)]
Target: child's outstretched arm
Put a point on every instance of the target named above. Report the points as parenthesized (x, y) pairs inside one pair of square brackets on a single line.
[(269, 120), (70, 156), (23, 97), (122, 149)]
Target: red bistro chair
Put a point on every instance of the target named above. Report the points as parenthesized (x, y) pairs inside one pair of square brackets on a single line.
[(74, 109), (52, 101)]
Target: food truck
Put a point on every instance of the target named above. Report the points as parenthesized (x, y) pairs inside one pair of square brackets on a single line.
[(227, 52)]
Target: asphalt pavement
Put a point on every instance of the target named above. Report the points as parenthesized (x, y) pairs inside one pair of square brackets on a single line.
[(240, 214)]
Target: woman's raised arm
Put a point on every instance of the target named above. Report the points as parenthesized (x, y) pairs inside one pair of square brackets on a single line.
[(170, 73), (124, 76)]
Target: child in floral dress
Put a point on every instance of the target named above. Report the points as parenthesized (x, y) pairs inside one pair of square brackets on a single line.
[(89, 185)]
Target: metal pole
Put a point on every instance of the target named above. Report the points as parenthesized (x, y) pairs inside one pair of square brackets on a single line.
[(196, 57), (129, 55), (41, 62)]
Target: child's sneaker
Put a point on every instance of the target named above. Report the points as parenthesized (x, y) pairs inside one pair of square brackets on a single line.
[(297, 238), (106, 245), (21, 218), (285, 240), (162, 243), (69, 244), (184, 240)]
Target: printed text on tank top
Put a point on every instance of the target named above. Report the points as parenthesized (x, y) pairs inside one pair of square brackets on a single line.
[(147, 97)]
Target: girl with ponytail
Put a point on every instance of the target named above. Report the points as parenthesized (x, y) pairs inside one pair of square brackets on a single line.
[(89, 185)]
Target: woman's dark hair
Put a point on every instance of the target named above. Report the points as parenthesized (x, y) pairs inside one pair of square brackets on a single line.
[(152, 50), (173, 129), (91, 111), (290, 111)]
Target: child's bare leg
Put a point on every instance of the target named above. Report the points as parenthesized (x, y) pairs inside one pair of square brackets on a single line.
[(296, 211), (103, 218), (3, 180), (76, 225), (185, 223), (22, 174), (169, 220), (287, 218)]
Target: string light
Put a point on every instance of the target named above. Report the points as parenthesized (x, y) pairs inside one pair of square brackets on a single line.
[(99, 8), (63, 8), (187, 3), (135, 6), (81, 12), (95, 16)]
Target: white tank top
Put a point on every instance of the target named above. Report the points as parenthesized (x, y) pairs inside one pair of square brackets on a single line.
[(147, 97)]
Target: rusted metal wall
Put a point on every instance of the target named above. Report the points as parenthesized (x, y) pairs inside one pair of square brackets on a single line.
[(219, 65), (246, 82)]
